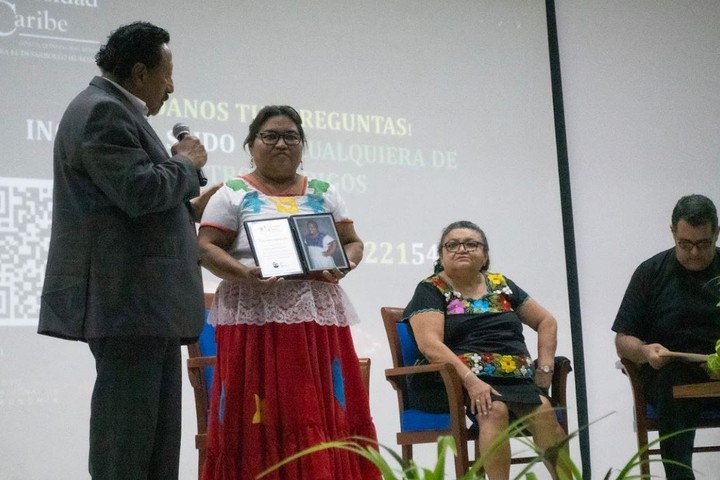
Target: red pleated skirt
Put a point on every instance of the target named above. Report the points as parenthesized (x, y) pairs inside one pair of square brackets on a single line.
[(280, 388)]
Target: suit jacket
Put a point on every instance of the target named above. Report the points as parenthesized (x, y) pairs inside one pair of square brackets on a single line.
[(123, 256)]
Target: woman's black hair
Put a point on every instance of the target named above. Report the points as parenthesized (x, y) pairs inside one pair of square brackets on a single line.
[(270, 111)]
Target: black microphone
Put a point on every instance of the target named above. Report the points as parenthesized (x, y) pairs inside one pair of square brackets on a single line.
[(179, 132)]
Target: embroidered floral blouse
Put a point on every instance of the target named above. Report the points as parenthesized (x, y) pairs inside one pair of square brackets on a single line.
[(239, 201), (485, 332)]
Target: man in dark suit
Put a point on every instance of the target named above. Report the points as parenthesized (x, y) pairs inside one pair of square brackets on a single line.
[(122, 272)]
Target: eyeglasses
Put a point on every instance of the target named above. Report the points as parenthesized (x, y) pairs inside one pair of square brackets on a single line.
[(272, 138), (470, 246), (688, 245)]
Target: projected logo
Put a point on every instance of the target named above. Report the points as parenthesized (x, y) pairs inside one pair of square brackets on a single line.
[(7, 19), (47, 33)]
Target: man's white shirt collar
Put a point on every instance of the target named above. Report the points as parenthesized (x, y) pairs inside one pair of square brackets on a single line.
[(136, 101)]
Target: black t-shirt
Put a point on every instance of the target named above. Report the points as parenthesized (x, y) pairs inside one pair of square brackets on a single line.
[(666, 303)]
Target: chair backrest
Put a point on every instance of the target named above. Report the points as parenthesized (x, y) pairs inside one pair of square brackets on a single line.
[(205, 349), (403, 349), (645, 417), (417, 426), (208, 348), (365, 373)]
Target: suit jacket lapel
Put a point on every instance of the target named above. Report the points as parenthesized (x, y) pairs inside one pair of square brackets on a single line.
[(152, 133)]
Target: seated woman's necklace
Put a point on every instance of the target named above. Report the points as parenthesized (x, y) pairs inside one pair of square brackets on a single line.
[(476, 291)]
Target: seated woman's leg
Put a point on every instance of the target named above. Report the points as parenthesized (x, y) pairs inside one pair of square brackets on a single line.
[(546, 432), (492, 426)]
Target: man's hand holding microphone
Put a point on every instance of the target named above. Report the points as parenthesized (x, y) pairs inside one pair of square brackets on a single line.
[(190, 146)]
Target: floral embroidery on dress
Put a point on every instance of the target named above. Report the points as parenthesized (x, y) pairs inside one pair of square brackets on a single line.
[(315, 202), (285, 204), (498, 284), (495, 301), (456, 306), (507, 363), (236, 184), (319, 186), (252, 201), (338, 382), (498, 365)]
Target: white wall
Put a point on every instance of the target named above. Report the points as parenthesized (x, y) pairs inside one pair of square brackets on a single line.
[(641, 82)]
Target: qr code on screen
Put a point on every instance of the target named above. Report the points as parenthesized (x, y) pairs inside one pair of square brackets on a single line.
[(25, 219)]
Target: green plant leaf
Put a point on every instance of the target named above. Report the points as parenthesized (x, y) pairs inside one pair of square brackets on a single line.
[(409, 470), (443, 444)]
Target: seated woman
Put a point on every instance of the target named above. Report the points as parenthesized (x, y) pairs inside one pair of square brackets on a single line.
[(473, 319)]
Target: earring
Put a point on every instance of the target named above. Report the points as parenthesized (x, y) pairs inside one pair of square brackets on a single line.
[(252, 162), (302, 166)]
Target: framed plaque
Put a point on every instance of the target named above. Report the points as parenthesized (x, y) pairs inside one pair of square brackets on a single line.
[(296, 245)]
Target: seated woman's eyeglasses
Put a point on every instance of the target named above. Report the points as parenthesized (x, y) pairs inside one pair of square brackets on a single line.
[(271, 138), (454, 246)]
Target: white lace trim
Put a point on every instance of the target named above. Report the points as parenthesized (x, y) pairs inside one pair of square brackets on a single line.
[(288, 302)]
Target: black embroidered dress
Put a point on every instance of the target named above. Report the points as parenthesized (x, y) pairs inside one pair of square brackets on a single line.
[(485, 333)]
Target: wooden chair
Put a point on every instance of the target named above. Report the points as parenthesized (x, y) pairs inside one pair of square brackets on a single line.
[(418, 427), (646, 419), (201, 365)]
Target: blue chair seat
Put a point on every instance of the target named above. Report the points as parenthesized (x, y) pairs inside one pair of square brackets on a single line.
[(413, 420), (707, 415)]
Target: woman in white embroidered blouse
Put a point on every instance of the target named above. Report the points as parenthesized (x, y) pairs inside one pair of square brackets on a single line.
[(287, 376)]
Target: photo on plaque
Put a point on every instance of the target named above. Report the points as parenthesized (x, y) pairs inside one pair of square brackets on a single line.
[(296, 245), (320, 242)]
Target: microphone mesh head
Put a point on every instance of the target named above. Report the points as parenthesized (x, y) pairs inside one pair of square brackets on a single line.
[(180, 130)]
